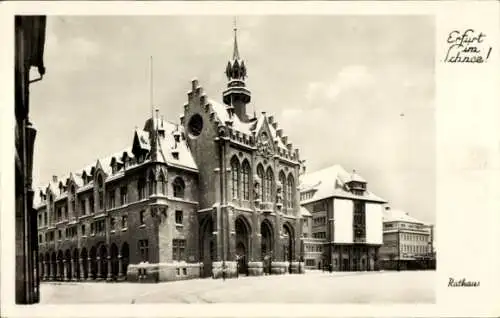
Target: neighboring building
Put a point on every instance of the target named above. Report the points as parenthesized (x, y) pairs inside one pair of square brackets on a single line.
[(346, 222), (217, 191), (29, 48), (408, 242)]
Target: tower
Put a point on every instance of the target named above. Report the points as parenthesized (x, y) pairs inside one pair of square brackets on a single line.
[(236, 96)]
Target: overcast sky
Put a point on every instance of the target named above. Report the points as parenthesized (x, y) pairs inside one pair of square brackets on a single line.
[(357, 91)]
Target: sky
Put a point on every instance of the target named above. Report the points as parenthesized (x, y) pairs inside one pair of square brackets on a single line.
[(351, 90)]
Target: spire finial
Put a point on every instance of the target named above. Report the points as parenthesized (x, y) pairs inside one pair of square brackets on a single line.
[(236, 53)]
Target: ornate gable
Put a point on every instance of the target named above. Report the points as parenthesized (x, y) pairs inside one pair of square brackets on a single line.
[(264, 140)]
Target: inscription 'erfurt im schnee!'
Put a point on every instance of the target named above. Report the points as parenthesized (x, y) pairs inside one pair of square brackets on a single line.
[(467, 47)]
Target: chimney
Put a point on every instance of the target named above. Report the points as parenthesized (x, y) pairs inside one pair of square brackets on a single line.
[(54, 179)]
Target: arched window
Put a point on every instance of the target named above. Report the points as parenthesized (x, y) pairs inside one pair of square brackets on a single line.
[(260, 173), (100, 185), (290, 191), (245, 178), (73, 200), (235, 176), (163, 187), (141, 188), (269, 185), (283, 185), (179, 187), (152, 183)]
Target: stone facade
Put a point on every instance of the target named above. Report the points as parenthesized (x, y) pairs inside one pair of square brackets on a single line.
[(215, 195)]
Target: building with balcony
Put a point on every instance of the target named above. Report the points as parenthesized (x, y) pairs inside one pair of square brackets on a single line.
[(212, 195), (346, 220), (408, 242)]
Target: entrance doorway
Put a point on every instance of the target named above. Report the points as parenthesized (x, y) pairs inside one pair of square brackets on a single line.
[(207, 246), (267, 244), (242, 230), (288, 244)]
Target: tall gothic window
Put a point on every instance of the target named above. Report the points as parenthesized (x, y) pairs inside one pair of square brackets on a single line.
[(152, 183), (269, 185), (73, 200), (179, 187), (289, 191), (100, 184), (163, 185), (260, 173), (235, 171), (245, 176), (141, 188), (283, 185)]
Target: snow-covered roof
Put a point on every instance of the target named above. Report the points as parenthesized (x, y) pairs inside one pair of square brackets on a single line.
[(304, 212), (329, 182), (172, 152), (396, 215)]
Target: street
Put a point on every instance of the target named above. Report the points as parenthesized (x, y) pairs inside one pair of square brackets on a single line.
[(312, 287)]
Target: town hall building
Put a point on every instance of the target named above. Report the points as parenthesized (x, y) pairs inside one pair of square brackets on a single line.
[(214, 194)]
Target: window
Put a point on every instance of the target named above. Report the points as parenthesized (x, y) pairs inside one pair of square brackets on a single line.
[(123, 195), (141, 188), (141, 217), (83, 208), (59, 235), (319, 207), (269, 185), (92, 228), (124, 222), (83, 229), (91, 204), (245, 176), (45, 218), (40, 239), (144, 250), (152, 183), (235, 184), (178, 217), (40, 220), (260, 173), (111, 199), (282, 179), (112, 223), (101, 192), (178, 247), (163, 188), (178, 186), (289, 192), (310, 262)]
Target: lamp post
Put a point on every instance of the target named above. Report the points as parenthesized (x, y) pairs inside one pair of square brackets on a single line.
[(399, 250), (330, 242)]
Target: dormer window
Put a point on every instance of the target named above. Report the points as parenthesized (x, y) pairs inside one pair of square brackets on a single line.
[(357, 187)]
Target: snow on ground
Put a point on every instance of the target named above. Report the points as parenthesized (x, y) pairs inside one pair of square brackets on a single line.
[(314, 287)]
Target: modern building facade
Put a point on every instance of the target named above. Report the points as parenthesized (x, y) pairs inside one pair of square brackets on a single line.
[(213, 195), (345, 222), (408, 242), (29, 49)]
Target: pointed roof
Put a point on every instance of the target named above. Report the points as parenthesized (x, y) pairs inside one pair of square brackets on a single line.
[(236, 52), (329, 182)]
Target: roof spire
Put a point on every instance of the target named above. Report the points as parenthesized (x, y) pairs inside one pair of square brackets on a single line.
[(236, 53)]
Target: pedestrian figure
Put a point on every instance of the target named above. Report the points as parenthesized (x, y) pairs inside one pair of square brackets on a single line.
[(237, 266)]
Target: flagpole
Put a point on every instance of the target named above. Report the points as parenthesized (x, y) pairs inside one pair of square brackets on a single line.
[(151, 86)]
